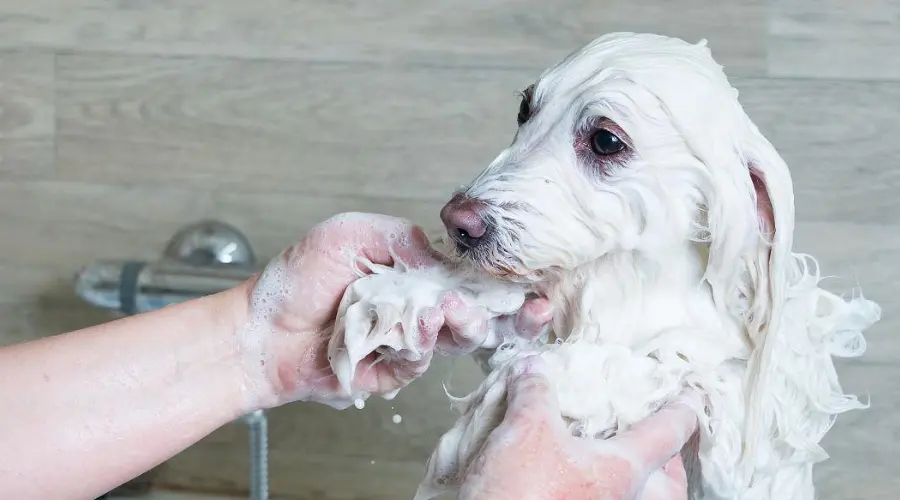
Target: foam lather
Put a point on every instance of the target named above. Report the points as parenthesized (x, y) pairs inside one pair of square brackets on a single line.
[(379, 313)]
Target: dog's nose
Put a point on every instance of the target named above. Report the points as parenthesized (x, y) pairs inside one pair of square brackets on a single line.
[(463, 220)]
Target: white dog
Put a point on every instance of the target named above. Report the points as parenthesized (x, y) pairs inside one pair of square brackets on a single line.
[(640, 198)]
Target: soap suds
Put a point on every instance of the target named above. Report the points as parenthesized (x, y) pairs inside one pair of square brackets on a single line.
[(273, 288), (379, 313)]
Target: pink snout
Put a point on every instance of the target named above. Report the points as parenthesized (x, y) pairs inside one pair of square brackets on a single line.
[(464, 220)]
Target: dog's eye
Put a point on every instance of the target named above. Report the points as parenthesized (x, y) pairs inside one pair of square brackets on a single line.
[(605, 143), (524, 111), (525, 106)]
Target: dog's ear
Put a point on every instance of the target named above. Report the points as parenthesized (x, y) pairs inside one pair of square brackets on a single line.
[(794, 327), (771, 270), (749, 227)]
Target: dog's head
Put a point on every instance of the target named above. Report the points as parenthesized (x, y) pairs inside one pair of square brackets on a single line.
[(637, 144)]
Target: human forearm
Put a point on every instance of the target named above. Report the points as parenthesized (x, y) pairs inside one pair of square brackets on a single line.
[(85, 411)]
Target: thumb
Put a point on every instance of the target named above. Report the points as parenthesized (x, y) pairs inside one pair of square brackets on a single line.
[(530, 394), (662, 435), (465, 324), (674, 469), (669, 483), (531, 319)]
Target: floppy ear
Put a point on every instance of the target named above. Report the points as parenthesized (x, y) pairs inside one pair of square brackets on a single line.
[(772, 270), (794, 326)]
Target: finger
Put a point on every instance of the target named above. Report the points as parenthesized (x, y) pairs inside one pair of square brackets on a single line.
[(431, 321), (378, 238), (533, 317), (407, 365), (674, 469), (669, 482), (381, 374), (530, 395), (412, 247), (405, 372), (395, 237), (661, 436), (411, 363), (465, 325)]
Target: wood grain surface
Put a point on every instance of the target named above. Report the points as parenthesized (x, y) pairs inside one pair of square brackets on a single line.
[(121, 121)]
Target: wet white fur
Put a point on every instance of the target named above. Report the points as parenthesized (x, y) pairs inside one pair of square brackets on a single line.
[(379, 313), (664, 262), (662, 272)]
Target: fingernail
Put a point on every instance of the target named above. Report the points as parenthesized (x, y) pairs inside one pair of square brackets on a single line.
[(430, 321), (450, 300)]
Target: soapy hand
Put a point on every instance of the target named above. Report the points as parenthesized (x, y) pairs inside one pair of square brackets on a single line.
[(532, 455), (292, 307)]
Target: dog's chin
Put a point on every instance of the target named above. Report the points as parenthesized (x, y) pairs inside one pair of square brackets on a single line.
[(490, 260), (504, 272), (505, 269)]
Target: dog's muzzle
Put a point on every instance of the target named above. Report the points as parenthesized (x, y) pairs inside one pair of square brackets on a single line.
[(465, 222)]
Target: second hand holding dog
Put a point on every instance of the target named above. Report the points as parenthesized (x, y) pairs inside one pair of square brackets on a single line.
[(532, 455)]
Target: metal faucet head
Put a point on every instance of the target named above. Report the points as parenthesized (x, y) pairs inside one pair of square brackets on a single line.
[(209, 243)]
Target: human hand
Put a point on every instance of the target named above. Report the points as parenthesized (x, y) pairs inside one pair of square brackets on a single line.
[(293, 303), (532, 455)]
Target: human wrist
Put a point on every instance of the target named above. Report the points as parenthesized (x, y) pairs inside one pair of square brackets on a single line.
[(229, 313), (272, 352)]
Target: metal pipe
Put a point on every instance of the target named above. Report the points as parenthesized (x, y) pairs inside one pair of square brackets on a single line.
[(258, 426), (134, 287)]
